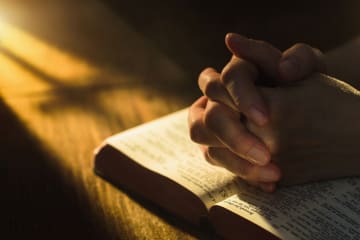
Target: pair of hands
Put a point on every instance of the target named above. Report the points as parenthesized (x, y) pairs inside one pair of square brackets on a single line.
[(289, 132)]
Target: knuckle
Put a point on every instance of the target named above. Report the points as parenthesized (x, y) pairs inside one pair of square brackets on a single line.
[(205, 72), (202, 74), (211, 116), (303, 57), (233, 69), (304, 51), (227, 74), (232, 84), (302, 46), (211, 86), (195, 131), (236, 70)]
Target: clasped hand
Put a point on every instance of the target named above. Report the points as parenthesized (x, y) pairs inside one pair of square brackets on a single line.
[(274, 117)]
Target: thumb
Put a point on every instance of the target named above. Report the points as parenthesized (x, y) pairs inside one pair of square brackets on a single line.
[(265, 56)]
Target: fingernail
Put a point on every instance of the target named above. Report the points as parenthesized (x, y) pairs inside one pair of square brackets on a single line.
[(258, 116), (258, 155), (289, 69)]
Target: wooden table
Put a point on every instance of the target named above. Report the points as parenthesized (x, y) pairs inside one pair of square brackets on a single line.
[(71, 74)]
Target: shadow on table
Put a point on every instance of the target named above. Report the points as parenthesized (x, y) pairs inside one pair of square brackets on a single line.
[(35, 204)]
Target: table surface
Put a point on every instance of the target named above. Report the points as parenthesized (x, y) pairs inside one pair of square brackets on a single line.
[(71, 74)]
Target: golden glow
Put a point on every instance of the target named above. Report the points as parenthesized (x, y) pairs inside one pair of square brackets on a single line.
[(13, 76), (48, 59)]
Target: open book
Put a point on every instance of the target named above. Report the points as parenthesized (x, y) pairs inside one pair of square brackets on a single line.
[(158, 161)]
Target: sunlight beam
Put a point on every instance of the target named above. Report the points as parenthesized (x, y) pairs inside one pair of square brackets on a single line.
[(49, 59)]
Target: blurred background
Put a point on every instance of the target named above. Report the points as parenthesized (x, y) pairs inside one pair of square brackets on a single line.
[(74, 72), (192, 32), (189, 33)]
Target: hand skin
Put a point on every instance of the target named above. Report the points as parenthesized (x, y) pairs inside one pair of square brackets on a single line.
[(218, 141), (313, 130), (238, 90), (303, 60), (312, 133), (217, 153)]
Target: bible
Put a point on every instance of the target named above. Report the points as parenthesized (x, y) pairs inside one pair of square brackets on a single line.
[(158, 161)]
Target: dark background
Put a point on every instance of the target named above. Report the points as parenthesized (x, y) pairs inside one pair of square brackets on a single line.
[(192, 32)]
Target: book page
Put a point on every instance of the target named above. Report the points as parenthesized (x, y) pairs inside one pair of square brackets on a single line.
[(164, 146), (323, 210)]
